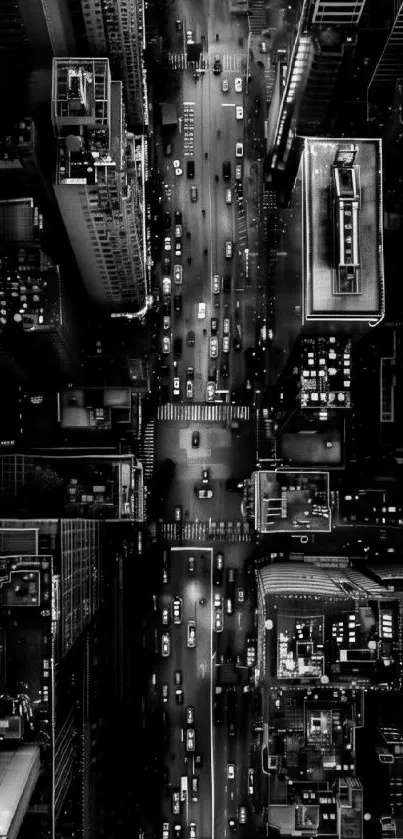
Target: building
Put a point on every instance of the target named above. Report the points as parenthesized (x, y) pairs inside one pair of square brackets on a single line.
[(51, 590), (117, 29), (309, 74), (99, 184), (389, 68), (330, 277), (291, 502)]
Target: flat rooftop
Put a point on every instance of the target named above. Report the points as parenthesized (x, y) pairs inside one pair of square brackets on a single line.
[(291, 502), (319, 301)]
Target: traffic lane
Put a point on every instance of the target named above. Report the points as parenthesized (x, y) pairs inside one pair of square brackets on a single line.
[(221, 760)]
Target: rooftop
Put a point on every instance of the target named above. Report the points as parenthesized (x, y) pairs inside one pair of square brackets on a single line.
[(291, 502)]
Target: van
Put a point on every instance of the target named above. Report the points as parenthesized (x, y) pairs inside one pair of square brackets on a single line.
[(184, 787), (226, 170), (190, 168)]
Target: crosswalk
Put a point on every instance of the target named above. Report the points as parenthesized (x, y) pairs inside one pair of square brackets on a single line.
[(205, 531), (178, 412), (258, 16), (147, 449), (231, 62), (188, 129)]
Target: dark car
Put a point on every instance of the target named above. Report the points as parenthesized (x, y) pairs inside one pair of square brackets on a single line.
[(167, 307), (178, 217), (231, 728), (196, 439), (217, 66), (178, 347), (195, 787), (214, 326), (235, 484), (218, 712), (226, 170), (166, 264), (190, 339), (167, 221), (237, 343), (257, 106), (190, 373), (190, 168), (226, 285), (199, 759), (167, 149), (224, 370), (178, 302)]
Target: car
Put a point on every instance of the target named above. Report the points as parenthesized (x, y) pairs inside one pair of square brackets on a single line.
[(232, 825), (237, 343), (251, 781), (216, 284), (226, 326), (167, 149), (205, 493), (176, 386), (165, 830), (178, 676), (167, 221), (263, 47), (166, 264), (167, 243), (250, 652), (224, 370), (166, 285), (178, 513), (165, 569), (194, 788), (242, 815), (226, 284), (218, 569), (228, 249), (231, 771), (191, 565), (238, 172), (165, 616), (178, 302), (190, 339), (228, 196), (239, 150), (190, 715), (241, 594), (178, 347), (190, 373), (165, 644), (178, 247), (217, 66), (195, 439), (193, 194), (226, 170), (205, 476), (238, 85), (230, 607), (210, 392), (239, 112), (214, 347), (178, 217), (199, 759), (225, 85), (178, 831), (179, 25), (231, 728), (178, 231), (166, 308), (177, 612), (190, 740), (178, 171), (201, 312), (214, 326), (189, 389), (218, 613), (166, 345), (192, 830), (191, 634), (225, 344), (166, 322), (165, 693), (189, 36), (190, 168), (178, 274), (176, 802), (179, 696), (256, 105)]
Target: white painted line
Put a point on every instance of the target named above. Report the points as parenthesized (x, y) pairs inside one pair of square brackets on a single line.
[(228, 104), (211, 700)]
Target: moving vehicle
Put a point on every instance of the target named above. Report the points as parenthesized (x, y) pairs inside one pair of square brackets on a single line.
[(166, 285), (165, 644), (242, 815), (177, 612), (225, 85), (214, 326), (225, 344), (239, 150), (228, 249), (166, 264), (195, 439), (201, 314), (191, 634), (178, 247), (218, 569), (165, 616), (216, 284), (205, 493), (184, 787), (178, 673), (226, 326), (238, 85), (190, 168), (251, 781), (193, 194), (194, 787), (178, 274), (226, 285), (190, 740), (224, 370), (179, 696), (167, 243), (199, 759), (166, 322), (238, 172), (210, 392), (176, 802), (205, 476), (177, 347), (166, 345), (192, 830), (165, 693), (232, 825), (214, 347), (231, 771), (230, 608), (167, 149), (226, 170), (178, 302), (178, 513), (217, 66), (165, 830), (189, 389), (190, 339), (191, 565), (190, 373), (257, 106), (250, 652), (190, 715), (241, 594), (189, 36), (178, 231), (228, 196), (178, 217), (218, 613), (176, 386)]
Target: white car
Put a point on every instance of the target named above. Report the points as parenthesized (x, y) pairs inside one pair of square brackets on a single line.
[(225, 85), (177, 610), (189, 36), (178, 230), (226, 326), (177, 388), (238, 85), (238, 172), (239, 150), (225, 344), (176, 164), (189, 389), (165, 830), (178, 171), (165, 693), (166, 345), (190, 715), (218, 613), (214, 347), (165, 644), (201, 311), (190, 740), (165, 616), (216, 284), (192, 830), (167, 243), (228, 196), (231, 771), (178, 248), (191, 634), (178, 274), (239, 112), (228, 249), (210, 394), (166, 323), (166, 285), (251, 781)]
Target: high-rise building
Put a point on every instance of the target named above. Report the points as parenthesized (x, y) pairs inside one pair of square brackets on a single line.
[(116, 28), (99, 184), (389, 67)]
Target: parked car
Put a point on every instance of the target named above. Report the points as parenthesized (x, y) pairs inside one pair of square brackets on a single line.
[(194, 788), (228, 196), (166, 344), (225, 85), (190, 339), (166, 322), (178, 347), (193, 194), (251, 781), (242, 815), (218, 613), (178, 677), (239, 150), (190, 740), (195, 439), (178, 302), (228, 249), (165, 644), (190, 168), (178, 513), (190, 373), (165, 693), (238, 85), (238, 172), (257, 106), (214, 326), (190, 715), (176, 802), (226, 170), (225, 344), (214, 347), (239, 112), (205, 493), (179, 696), (165, 616), (210, 392), (166, 285), (189, 389)]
